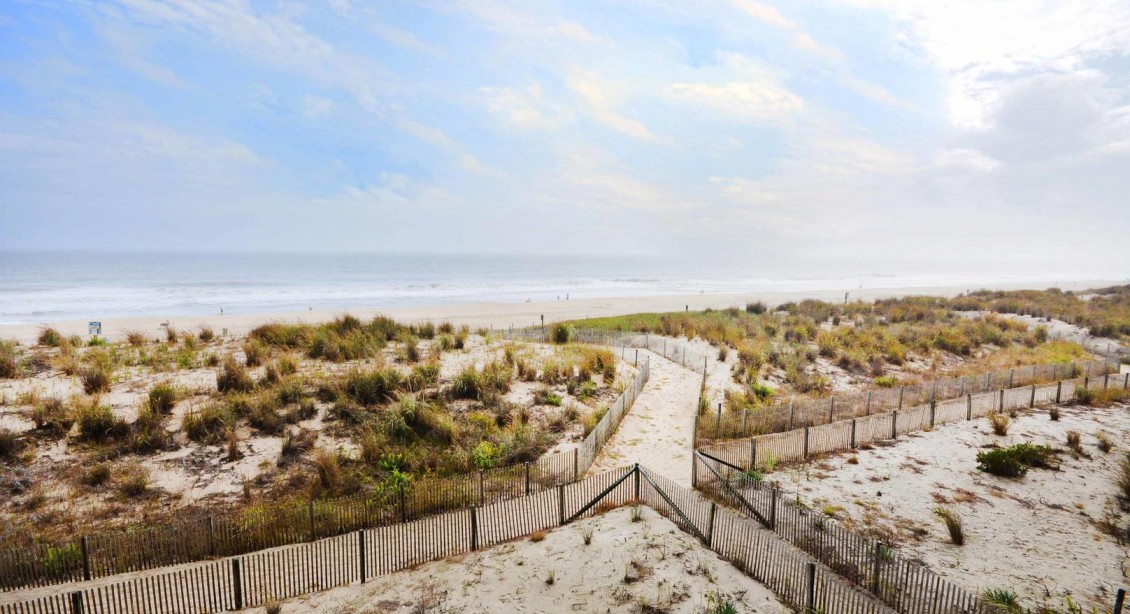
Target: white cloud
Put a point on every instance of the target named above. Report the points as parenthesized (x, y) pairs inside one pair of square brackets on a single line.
[(600, 98), (526, 108), (743, 90)]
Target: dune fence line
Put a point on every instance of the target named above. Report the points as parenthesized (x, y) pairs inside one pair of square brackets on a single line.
[(788, 415), (257, 579), (904, 585), (672, 349), (34, 563), (799, 444)]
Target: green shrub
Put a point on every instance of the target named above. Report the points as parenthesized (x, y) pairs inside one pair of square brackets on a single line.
[(51, 338), (96, 341), (233, 377), (9, 366), (97, 422), (1014, 461), (375, 387), (562, 333), (95, 379), (61, 562), (886, 381), (486, 455), (756, 307), (1002, 598), (52, 415), (162, 398)]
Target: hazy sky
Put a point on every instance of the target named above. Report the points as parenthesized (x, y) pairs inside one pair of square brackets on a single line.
[(914, 130)]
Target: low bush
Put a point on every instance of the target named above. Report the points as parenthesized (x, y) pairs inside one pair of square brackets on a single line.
[(253, 353), (96, 475), (51, 337), (1075, 441), (233, 377), (1014, 461), (208, 423), (162, 398), (95, 379), (562, 333), (133, 482), (207, 334), (52, 415), (374, 387), (9, 366), (97, 422)]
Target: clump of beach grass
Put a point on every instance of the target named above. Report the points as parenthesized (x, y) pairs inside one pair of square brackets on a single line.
[(233, 377), (953, 524), (999, 422)]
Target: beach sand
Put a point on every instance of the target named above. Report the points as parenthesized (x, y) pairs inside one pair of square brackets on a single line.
[(502, 315)]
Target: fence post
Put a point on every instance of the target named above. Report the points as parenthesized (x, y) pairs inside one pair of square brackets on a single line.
[(806, 441), (773, 507), (361, 554), (1119, 600), (710, 526), (1032, 401), (718, 421), (403, 514), (831, 409), (211, 537), (527, 477), (1002, 400), (1086, 382), (482, 480), (474, 528), (853, 433), (561, 505), (1126, 380), (934, 390), (878, 551), (1010, 372), (745, 421), (868, 412), (1058, 391), (792, 412), (902, 389), (236, 584), (575, 464), (969, 406), (636, 479), (810, 588), (894, 424), (752, 452), (933, 411), (1106, 380), (76, 602), (85, 558)]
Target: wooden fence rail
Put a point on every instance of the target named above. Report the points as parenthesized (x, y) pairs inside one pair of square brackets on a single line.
[(253, 580), (790, 414), (31, 563), (801, 443)]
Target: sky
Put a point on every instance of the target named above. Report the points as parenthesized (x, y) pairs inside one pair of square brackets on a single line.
[(910, 130)]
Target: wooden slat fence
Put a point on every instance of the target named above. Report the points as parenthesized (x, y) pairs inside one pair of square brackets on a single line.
[(904, 585), (781, 567), (32, 564), (790, 414), (801, 443)]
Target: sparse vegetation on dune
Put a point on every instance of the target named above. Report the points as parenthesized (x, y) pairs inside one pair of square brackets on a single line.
[(798, 345), (345, 338)]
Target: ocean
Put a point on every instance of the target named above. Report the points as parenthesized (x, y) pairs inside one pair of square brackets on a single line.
[(41, 286)]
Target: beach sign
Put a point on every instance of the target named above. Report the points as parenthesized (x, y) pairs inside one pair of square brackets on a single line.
[(94, 328)]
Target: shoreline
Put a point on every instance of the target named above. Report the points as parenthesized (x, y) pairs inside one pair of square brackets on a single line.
[(495, 314)]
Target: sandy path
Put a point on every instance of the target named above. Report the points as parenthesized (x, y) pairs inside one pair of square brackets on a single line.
[(657, 431), (628, 564)]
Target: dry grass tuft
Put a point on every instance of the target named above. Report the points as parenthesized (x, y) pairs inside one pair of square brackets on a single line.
[(953, 524), (1075, 441), (1000, 423), (537, 536)]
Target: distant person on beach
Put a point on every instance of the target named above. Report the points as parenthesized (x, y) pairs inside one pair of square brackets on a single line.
[(221, 311)]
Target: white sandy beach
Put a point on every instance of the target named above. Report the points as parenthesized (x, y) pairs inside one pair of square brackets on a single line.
[(502, 315)]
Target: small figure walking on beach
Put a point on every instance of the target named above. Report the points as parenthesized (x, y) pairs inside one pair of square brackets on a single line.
[(221, 311)]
